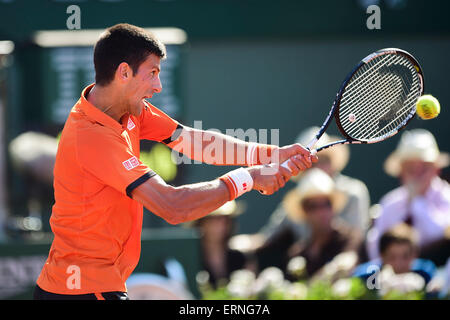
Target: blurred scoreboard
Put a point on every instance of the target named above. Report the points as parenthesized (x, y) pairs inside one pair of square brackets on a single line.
[(67, 70)]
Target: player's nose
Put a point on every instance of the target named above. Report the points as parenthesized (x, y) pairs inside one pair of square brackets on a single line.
[(157, 86)]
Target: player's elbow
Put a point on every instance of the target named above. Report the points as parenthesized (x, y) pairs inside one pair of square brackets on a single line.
[(173, 208), (173, 204), (170, 212), (172, 215), (173, 221), (182, 205), (162, 200)]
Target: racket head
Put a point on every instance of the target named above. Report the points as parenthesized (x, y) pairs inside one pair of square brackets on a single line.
[(378, 97)]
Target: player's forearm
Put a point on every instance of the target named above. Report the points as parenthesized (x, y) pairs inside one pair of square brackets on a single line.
[(183, 203), (190, 202), (215, 148), (200, 199)]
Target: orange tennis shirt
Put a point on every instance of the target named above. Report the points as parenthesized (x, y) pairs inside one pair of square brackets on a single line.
[(96, 225)]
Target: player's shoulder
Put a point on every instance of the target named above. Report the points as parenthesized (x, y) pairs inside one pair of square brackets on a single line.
[(146, 114), (150, 107), (90, 133), (147, 110), (153, 113)]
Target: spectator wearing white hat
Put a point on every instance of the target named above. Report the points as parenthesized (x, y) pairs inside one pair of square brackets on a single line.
[(315, 201), (422, 200), (281, 231)]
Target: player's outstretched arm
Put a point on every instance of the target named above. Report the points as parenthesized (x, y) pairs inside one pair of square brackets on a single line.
[(215, 148), (194, 201)]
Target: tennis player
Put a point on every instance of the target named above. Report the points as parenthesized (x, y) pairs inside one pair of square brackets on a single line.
[(101, 185)]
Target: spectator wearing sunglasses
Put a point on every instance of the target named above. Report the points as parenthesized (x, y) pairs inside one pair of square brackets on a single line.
[(315, 201), (280, 232)]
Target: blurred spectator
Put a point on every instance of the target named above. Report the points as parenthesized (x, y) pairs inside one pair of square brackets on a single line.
[(422, 200), (332, 161), (34, 153), (399, 249), (215, 230), (33, 157), (315, 201), (281, 231)]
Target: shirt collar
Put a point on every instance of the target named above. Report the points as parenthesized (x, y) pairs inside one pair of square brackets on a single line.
[(96, 114)]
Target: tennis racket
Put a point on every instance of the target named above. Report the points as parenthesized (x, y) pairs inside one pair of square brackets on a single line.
[(376, 100)]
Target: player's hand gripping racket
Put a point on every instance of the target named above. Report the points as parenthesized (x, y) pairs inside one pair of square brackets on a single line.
[(376, 100)]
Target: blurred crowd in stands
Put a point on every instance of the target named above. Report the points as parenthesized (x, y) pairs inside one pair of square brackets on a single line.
[(326, 233), (325, 239)]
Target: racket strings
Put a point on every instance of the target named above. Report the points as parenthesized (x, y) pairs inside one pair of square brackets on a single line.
[(357, 92), (381, 96), (394, 94), (393, 120), (378, 91), (365, 71), (371, 119), (401, 113), (368, 95)]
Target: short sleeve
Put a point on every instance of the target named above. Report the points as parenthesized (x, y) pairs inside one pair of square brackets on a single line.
[(108, 158), (155, 125)]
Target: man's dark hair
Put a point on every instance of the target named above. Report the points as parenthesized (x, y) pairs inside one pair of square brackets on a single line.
[(123, 43), (399, 234)]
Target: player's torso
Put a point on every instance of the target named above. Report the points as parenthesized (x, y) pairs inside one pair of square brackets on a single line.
[(85, 207)]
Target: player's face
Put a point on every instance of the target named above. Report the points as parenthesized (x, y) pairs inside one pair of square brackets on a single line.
[(144, 84)]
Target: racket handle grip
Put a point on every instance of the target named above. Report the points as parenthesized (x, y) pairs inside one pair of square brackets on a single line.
[(285, 164)]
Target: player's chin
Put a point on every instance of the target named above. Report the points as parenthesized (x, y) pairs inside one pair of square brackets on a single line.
[(137, 110)]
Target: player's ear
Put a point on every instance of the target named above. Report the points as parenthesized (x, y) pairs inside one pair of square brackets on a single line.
[(123, 72)]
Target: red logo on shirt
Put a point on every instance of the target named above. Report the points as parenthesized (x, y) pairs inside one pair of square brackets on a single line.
[(131, 163), (130, 124)]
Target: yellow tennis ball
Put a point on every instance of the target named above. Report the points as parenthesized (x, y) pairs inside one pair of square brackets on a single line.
[(428, 107)]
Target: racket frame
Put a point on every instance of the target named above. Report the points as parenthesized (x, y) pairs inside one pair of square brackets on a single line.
[(334, 112)]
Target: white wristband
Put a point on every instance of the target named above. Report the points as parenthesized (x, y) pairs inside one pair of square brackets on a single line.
[(242, 181)]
